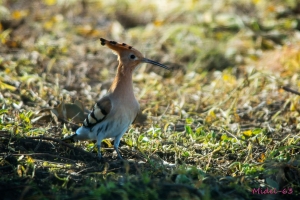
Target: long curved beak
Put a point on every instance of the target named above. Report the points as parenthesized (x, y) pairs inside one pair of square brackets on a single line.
[(145, 60)]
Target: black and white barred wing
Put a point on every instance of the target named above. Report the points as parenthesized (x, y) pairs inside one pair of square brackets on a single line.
[(100, 110)]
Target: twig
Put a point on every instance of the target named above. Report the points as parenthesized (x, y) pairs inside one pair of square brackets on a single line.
[(85, 169), (39, 154), (290, 90), (57, 141), (230, 134), (37, 146), (61, 143)]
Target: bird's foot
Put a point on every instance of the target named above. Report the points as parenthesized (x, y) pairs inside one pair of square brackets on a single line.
[(119, 154)]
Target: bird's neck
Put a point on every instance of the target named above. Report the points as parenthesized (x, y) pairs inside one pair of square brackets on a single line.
[(122, 84)]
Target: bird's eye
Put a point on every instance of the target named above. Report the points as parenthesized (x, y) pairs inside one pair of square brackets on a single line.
[(132, 56)]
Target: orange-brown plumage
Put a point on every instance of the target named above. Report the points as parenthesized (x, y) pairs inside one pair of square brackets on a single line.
[(112, 115)]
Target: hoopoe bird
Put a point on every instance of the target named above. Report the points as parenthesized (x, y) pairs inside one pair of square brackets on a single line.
[(113, 114)]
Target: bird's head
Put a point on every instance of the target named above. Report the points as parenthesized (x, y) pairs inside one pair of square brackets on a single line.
[(128, 56)]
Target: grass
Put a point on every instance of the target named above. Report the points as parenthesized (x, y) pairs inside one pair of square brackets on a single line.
[(223, 124)]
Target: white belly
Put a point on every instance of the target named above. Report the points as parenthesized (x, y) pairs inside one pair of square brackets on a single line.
[(107, 128)]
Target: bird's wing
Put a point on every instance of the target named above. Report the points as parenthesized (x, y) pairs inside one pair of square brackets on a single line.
[(100, 110)]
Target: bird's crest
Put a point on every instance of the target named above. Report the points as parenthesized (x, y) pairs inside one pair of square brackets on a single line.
[(115, 45)]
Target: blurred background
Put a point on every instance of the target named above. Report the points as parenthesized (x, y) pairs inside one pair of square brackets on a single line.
[(61, 37)]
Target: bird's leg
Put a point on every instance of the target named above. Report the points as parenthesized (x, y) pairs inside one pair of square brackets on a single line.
[(116, 146), (99, 150), (118, 152), (99, 140)]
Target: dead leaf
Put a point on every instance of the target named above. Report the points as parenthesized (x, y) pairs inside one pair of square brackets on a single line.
[(73, 111)]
